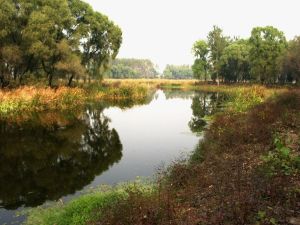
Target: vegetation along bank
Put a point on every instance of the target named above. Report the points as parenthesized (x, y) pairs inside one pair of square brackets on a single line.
[(245, 171)]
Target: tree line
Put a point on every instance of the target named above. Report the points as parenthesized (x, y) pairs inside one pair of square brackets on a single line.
[(54, 39), (178, 72), (132, 68), (266, 57), (145, 68)]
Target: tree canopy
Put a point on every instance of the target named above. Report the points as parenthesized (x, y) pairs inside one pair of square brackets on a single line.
[(132, 68), (267, 45), (178, 72), (54, 38), (265, 57), (201, 64)]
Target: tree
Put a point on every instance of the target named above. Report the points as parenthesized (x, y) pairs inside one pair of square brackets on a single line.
[(267, 44), (201, 64), (31, 34), (47, 26), (69, 63), (290, 62), (217, 42), (234, 63)]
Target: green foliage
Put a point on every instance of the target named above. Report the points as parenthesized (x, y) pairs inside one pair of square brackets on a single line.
[(54, 38), (290, 66), (263, 219), (90, 207), (245, 98), (178, 72), (281, 161), (201, 63), (234, 63), (132, 68), (264, 57), (267, 45), (78, 211), (217, 42), (208, 55)]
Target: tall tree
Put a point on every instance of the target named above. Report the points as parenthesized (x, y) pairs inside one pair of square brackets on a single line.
[(267, 44), (33, 33), (290, 66), (217, 42), (201, 64), (47, 26), (234, 63)]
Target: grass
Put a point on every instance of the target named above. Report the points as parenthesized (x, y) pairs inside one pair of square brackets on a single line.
[(78, 211), (37, 99), (87, 208), (26, 99)]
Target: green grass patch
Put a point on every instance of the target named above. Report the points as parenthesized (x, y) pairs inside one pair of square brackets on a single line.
[(77, 212)]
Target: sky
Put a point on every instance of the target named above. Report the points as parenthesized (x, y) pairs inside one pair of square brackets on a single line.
[(164, 30)]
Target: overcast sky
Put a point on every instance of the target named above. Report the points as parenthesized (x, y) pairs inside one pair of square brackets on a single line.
[(165, 30)]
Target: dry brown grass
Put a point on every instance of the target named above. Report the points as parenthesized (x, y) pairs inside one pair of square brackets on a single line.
[(32, 98)]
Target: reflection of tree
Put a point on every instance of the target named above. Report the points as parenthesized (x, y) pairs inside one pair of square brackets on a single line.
[(40, 163), (178, 93), (204, 104)]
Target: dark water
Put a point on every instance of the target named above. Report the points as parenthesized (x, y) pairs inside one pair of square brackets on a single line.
[(56, 156)]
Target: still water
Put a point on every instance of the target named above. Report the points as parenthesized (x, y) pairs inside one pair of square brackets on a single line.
[(58, 156)]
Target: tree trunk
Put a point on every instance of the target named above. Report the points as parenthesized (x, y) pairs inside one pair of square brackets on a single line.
[(70, 80), (50, 78)]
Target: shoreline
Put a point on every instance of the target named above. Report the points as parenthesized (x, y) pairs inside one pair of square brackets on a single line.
[(179, 180)]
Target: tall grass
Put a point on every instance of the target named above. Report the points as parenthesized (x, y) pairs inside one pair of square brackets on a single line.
[(33, 98), (38, 99)]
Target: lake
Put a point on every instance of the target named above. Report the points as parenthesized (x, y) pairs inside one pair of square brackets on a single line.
[(54, 156)]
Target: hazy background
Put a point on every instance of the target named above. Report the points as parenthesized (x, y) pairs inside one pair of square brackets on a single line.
[(165, 30)]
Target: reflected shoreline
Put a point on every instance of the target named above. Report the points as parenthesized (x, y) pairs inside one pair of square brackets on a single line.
[(51, 155)]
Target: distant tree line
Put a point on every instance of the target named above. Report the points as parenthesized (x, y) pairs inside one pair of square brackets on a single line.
[(266, 57), (132, 68), (178, 72), (54, 39)]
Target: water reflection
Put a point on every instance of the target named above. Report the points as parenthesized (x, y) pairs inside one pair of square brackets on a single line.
[(47, 156), (204, 104), (39, 163), (177, 93)]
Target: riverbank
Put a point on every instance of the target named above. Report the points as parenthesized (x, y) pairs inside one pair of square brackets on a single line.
[(246, 171), (40, 98), (37, 99)]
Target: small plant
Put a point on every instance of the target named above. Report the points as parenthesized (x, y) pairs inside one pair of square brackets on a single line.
[(262, 218), (281, 161)]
